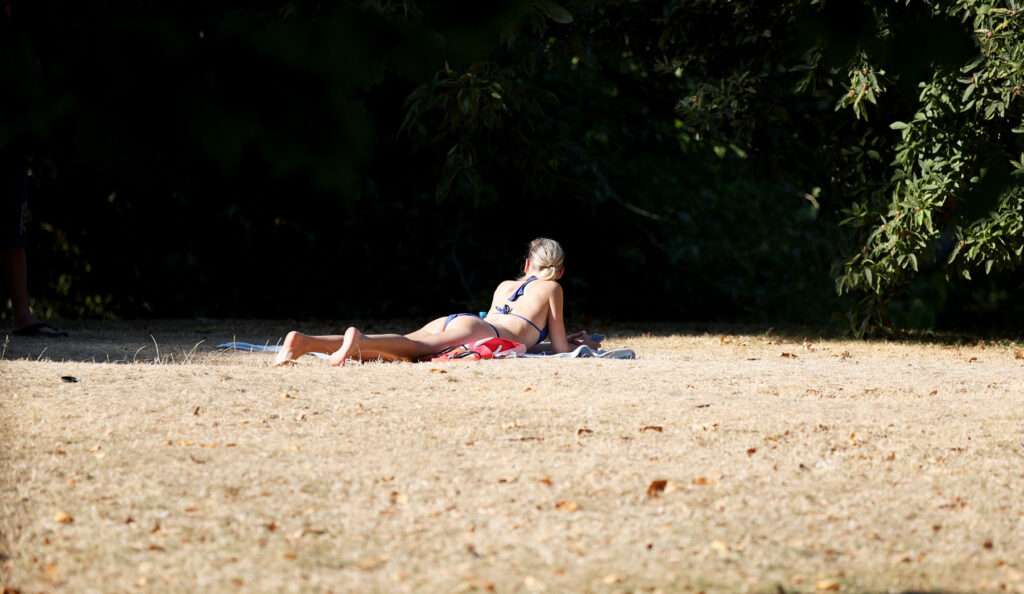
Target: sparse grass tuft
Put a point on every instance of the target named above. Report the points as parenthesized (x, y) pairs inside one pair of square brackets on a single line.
[(721, 460)]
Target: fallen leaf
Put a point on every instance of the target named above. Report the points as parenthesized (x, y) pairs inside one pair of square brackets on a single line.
[(751, 451), (476, 585), (438, 371), (826, 585), (51, 570), (546, 480), (95, 449), (660, 487), (612, 578), (1018, 353), (655, 428), (569, 506), (789, 355), (288, 555), (186, 442), (62, 518), (656, 488), (285, 395), (372, 563), (583, 430), (702, 480), (512, 425), (720, 547)]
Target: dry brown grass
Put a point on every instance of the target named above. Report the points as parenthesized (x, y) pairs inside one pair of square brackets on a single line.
[(715, 462)]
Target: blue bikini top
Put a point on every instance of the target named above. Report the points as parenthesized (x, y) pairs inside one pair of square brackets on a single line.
[(507, 309)]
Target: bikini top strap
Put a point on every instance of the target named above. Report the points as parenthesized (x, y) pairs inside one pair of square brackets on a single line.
[(522, 288)]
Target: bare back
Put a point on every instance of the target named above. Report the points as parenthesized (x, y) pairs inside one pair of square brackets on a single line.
[(526, 318)]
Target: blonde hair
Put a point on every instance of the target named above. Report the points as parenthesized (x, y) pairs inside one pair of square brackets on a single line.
[(547, 258)]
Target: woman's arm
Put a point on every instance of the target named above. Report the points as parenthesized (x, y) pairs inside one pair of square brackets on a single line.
[(575, 339), (556, 323)]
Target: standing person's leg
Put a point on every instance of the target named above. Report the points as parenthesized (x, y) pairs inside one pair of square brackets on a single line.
[(13, 237), (16, 276)]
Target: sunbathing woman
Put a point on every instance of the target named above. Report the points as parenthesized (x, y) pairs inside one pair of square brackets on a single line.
[(526, 311)]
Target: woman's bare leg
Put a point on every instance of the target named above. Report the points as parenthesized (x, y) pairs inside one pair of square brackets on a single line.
[(371, 346), (297, 344), (427, 341)]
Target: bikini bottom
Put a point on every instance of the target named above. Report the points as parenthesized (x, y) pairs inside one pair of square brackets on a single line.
[(457, 315)]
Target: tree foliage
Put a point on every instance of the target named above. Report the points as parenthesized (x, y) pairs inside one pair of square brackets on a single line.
[(750, 81), (729, 160), (951, 195)]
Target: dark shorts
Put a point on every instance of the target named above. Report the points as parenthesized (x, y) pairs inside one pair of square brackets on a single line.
[(13, 208)]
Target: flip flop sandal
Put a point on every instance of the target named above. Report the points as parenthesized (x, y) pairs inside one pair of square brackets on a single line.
[(40, 329)]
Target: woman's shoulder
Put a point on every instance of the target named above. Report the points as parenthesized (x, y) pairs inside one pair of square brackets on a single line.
[(547, 286), (510, 286), (507, 284)]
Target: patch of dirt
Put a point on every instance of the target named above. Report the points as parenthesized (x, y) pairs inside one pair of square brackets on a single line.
[(717, 461)]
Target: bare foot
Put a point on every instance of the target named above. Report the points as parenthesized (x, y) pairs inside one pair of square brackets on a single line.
[(352, 339), (292, 349)]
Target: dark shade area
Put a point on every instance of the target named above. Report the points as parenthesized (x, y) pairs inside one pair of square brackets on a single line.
[(351, 159)]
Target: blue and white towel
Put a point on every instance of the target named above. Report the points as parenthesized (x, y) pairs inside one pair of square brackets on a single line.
[(580, 352), (583, 351), (270, 348)]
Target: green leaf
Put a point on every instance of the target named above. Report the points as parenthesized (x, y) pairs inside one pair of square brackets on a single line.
[(954, 253), (899, 125), (973, 64), (556, 13)]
